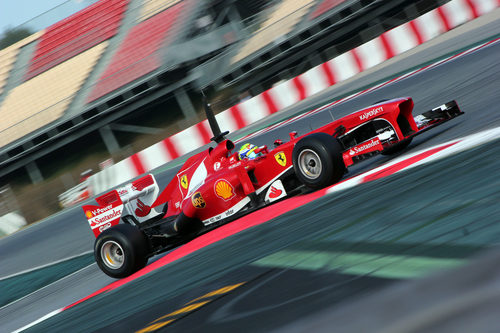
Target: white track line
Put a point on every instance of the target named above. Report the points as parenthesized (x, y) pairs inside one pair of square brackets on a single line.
[(29, 270), (47, 316), (460, 145), (34, 292)]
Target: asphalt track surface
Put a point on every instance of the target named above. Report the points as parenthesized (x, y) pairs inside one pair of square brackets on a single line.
[(267, 283)]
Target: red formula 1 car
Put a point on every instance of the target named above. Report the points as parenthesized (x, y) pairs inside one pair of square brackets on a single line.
[(216, 186)]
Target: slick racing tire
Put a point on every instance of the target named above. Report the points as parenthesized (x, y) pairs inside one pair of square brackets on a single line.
[(317, 160), (121, 250)]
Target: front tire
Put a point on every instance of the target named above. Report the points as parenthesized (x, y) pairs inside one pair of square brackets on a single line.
[(317, 160), (121, 250)]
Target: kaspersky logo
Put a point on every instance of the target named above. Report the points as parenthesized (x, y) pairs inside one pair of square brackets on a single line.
[(371, 113), (362, 148)]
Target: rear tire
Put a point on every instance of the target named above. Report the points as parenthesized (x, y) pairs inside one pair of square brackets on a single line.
[(317, 160), (121, 250)]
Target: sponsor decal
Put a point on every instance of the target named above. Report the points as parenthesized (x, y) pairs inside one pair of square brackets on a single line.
[(177, 204), (104, 227), (280, 158), (274, 193), (184, 182), (360, 149), (371, 113), (219, 217), (215, 218), (198, 201), (224, 190), (122, 191), (95, 212), (231, 211), (235, 165), (142, 209), (216, 166), (101, 219)]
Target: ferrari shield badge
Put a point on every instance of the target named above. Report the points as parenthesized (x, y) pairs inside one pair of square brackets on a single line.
[(280, 158), (184, 182), (198, 200)]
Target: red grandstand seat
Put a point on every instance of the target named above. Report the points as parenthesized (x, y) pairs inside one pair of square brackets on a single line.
[(138, 53), (76, 33)]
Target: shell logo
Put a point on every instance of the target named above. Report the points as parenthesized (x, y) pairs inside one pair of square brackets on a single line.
[(88, 214), (224, 190)]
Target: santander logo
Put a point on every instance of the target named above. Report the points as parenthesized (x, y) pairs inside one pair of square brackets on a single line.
[(142, 209), (106, 217), (274, 192), (371, 113), (362, 148)]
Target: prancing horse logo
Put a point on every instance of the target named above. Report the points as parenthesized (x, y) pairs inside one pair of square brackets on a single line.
[(280, 158), (184, 182)]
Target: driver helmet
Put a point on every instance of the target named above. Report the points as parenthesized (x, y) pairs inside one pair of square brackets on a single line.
[(248, 151)]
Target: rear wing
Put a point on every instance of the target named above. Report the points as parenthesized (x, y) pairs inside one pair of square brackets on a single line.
[(133, 199), (106, 215)]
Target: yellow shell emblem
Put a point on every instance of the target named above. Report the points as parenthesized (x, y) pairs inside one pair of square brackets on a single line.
[(88, 214), (224, 190), (184, 182), (280, 158)]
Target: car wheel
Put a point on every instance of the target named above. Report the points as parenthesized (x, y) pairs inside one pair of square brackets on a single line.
[(317, 160), (396, 148), (121, 250)]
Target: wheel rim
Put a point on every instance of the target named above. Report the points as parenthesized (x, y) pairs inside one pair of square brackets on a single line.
[(112, 254), (310, 164)]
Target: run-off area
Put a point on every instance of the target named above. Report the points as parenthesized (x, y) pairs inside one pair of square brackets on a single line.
[(337, 248)]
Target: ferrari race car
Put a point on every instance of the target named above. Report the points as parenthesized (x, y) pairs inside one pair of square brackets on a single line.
[(217, 185)]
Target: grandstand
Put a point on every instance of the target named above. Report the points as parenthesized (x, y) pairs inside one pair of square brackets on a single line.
[(43, 99), (154, 7), (8, 57), (116, 57), (75, 34), (279, 22), (315, 32), (138, 54)]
